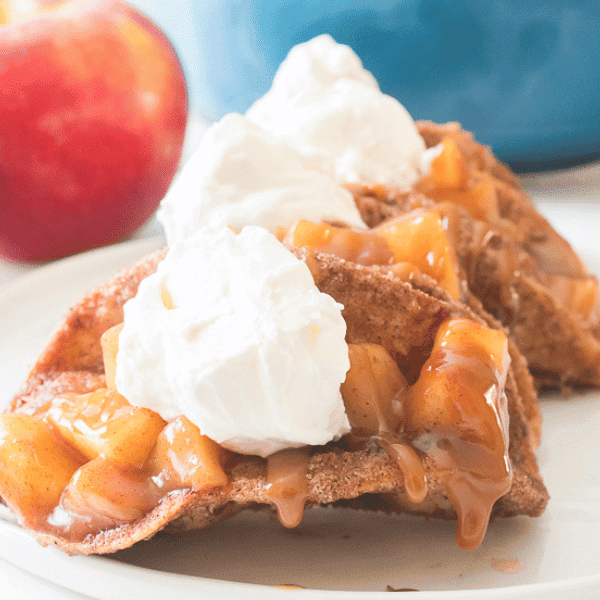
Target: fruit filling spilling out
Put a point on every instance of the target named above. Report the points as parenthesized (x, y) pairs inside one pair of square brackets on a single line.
[(414, 243)]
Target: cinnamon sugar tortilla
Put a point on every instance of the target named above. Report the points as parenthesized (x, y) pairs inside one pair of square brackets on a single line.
[(401, 315)]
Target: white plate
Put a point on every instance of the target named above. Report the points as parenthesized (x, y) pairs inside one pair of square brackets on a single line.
[(338, 554)]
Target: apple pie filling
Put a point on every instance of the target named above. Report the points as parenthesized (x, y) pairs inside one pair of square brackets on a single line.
[(85, 463), (414, 243)]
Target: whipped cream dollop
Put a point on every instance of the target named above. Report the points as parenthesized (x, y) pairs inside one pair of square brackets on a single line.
[(249, 349), (322, 98), (243, 175)]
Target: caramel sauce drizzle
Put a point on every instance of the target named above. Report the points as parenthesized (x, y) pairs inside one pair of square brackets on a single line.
[(457, 413), (408, 461), (287, 484)]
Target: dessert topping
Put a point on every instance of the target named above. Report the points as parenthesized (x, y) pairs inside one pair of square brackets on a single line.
[(243, 175), (323, 101), (252, 352)]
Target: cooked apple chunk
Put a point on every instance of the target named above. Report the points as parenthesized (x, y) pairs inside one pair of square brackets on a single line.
[(99, 490), (450, 180), (103, 423), (415, 243), (183, 457), (34, 466), (420, 239), (110, 348), (358, 246), (461, 384), (371, 389)]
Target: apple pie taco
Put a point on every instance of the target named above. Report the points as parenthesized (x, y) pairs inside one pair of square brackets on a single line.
[(441, 416), (510, 257)]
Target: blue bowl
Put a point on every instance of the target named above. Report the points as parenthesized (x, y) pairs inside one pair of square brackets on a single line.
[(522, 75)]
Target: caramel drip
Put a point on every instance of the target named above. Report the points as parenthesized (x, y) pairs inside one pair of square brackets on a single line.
[(473, 454), (287, 485), (408, 461), (473, 496), (459, 407)]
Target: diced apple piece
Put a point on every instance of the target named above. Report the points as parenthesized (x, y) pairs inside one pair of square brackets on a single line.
[(429, 402), (467, 337), (129, 439), (419, 238), (479, 198), (104, 423), (585, 296), (449, 169), (359, 247), (449, 180), (404, 270), (110, 347), (457, 413), (460, 387), (35, 466), (453, 396), (184, 458), (372, 388), (101, 490), (81, 418), (581, 295)]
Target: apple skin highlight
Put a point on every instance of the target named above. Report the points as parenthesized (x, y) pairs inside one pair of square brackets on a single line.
[(93, 111)]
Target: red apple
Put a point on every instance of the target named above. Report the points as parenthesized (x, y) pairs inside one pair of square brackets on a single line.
[(93, 109)]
